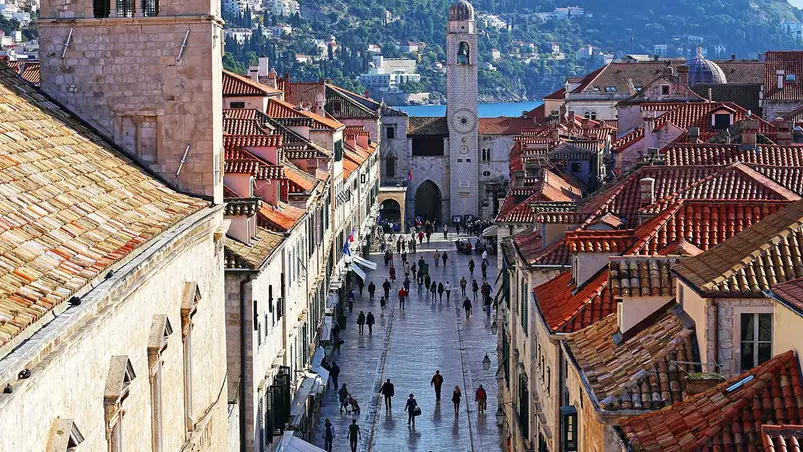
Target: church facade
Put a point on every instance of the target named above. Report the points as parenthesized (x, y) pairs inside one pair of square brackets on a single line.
[(455, 165)]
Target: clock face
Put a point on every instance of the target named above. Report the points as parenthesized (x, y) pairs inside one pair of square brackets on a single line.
[(464, 120)]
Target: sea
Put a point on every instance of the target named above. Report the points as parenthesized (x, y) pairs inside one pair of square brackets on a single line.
[(485, 110)]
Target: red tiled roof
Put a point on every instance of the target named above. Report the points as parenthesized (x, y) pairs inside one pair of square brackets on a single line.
[(504, 125), (241, 113), (791, 292), (565, 310), (283, 110), (719, 419), (281, 218), (300, 180), (252, 141), (256, 168), (557, 95), (28, 70), (697, 114), (722, 154), (637, 276), (790, 62), (782, 438), (625, 141), (238, 85), (640, 372), (599, 241), (243, 127)]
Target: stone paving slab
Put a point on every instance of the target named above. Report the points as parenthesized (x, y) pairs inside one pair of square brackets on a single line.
[(407, 346)]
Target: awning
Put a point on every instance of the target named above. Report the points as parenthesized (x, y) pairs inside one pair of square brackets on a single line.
[(298, 407), (326, 328), (317, 365), (331, 301), (359, 271), (364, 263), (292, 443), (490, 231)]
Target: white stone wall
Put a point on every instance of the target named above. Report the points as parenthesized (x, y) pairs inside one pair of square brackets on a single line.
[(118, 72), (116, 319)]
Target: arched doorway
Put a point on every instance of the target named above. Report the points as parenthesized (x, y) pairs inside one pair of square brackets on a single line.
[(390, 210), (428, 201)]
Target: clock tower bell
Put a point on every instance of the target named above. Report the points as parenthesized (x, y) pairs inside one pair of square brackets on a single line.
[(461, 109)]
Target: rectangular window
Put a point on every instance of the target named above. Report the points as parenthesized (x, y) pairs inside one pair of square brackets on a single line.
[(237, 105), (390, 132), (150, 8), (722, 121), (189, 423), (148, 139), (338, 150), (125, 8), (524, 307), (156, 406), (100, 8), (610, 89), (569, 430), (428, 146), (756, 340), (664, 90)]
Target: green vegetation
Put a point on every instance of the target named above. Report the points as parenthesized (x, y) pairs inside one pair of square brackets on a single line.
[(742, 27)]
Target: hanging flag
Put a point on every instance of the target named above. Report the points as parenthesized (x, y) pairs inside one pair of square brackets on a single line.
[(410, 175), (351, 236), (346, 249)]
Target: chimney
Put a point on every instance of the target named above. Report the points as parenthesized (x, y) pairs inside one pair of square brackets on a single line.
[(683, 75), (784, 136), (584, 123), (570, 116), (253, 73), (263, 66), (780, 73), (710, 94), (699, 382), (749, 127), (646, 191), (693, 134)]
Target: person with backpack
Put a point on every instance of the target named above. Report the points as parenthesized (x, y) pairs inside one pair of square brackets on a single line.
[(481, 398), (463, 283), (388, 391), (474, 288)]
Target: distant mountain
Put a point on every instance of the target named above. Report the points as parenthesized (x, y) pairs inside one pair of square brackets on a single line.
[(523, 33)]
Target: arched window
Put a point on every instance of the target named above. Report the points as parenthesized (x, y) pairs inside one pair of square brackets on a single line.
[(463, 52), (587, 115), (390, 166), (593, 115)]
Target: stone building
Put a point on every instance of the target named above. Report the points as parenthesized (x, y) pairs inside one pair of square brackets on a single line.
[(113, 329)]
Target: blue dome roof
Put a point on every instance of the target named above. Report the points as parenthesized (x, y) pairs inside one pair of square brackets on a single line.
[(461, 10), (702, 70)]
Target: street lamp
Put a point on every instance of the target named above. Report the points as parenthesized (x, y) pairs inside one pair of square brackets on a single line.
[(486, 362), (494, 327), (500, 416)]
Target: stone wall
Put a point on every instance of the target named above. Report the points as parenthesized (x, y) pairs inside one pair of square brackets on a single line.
[(116, 319), (121, 75)]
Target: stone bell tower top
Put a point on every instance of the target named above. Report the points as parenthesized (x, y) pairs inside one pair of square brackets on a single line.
[(461, 18)]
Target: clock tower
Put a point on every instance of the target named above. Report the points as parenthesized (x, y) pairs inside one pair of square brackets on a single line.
[(461, 109)]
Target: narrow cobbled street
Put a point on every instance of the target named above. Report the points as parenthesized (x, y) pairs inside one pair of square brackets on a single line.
[(407, 346)]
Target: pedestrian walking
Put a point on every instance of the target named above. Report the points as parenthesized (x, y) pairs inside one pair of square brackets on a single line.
[(485, 256), (388, 391), (399, 245), (437, 256), (427, 282), (392, 272), (343, 394), (370, 320), (406, 284), (387, 257), (463, 283), (411, 407), (457, 228), (402, 297), (474, 288), (413, 269), (448, 288), (470, 266), (334, 372), (351, 300), (386, 287), (445, 257), (456, 395), (482, 399), (412, 245), (440, 292), (406, 269), (354, 435), (433, 289), (420, 237), (487, 307), (338, 343), (484, 267), (361, 321), (437, 382), (371, 290), (467, 307), (328, 435), (382, 304), (429, 234), (361, 285), (445, 231)]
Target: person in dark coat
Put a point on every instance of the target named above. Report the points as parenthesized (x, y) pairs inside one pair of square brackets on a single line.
[(437, 381), (444, 257), (334, 372), (484, 267), (456, 395), (369, 320), (386, 287), (463, 284), (470, 266), (361, 285), (382, 304), (409, 407), (328, 436), (467, 307), (474, 288), (427, 282), (361, 321), (414, 268), (440, 292), (343, 394), (433, 289), (354, 435), (406, 284), (371, 290), (392, 272), (351, 300), (388, 391)]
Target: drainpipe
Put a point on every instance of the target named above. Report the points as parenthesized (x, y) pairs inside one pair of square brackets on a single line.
[(715, 306), (243, 284)]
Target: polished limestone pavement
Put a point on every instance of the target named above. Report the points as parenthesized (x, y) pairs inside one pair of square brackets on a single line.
[(407, 346)]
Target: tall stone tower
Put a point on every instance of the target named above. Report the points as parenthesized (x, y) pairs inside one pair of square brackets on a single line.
[(147, 74), (461, 109)]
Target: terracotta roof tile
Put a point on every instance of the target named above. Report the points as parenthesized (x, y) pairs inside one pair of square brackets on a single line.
[(719, 419), (244, 127), (790, 62), (281, 110), (238, 85), (28, 70), (782, 438), (791, 292), (503, 125), (757, 258), (639, 373), (566, 308), (256, 168), (241, 256), (281, 218), (636, 276), (252, 141), (300, 181), (428, 126), (70, 208), (722, 154)]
